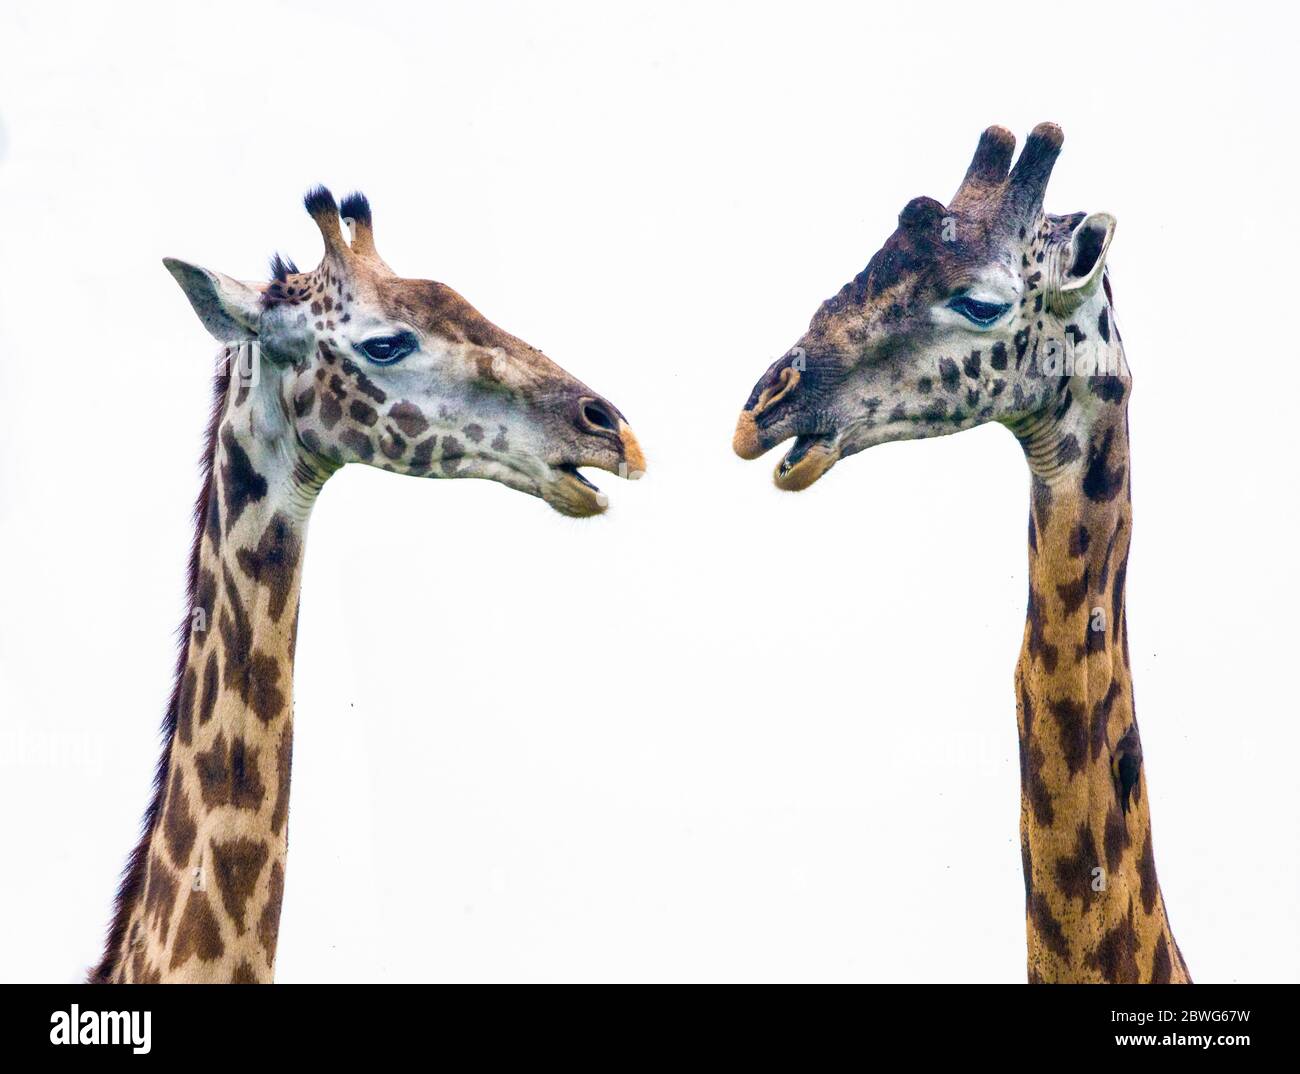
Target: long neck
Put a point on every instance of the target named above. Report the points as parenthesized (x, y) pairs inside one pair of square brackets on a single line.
[(201, 899), (1093, 905)]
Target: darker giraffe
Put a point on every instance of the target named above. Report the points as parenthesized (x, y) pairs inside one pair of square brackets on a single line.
[(991, 310), (349, 363)]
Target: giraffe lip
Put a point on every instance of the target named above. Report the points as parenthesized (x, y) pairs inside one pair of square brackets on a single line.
[(809, 457)]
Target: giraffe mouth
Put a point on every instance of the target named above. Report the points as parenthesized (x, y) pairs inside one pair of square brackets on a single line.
[(811, 455), (572, 471), (572, 493)]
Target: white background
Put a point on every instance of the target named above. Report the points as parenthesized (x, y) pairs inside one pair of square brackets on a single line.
[(722, 732)]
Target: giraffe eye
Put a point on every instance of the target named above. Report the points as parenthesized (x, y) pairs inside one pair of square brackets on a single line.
[(977, 312), (385, 350)]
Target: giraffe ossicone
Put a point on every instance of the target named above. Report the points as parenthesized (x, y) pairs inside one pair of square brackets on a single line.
[(989, 310), (346, 363)]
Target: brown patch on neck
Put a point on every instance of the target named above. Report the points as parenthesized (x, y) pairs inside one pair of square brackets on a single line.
[(229, 774), (237, 865), (179, 828), (197, 933)]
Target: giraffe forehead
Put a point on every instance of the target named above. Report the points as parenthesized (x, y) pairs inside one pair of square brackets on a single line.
[(937, 256), (436, 309), (494, 354)]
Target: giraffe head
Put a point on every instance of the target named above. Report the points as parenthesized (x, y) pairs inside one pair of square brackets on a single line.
[(964, 316), (368, 366)]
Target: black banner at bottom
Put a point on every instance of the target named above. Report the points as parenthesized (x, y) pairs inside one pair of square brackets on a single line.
[(623, 1023)]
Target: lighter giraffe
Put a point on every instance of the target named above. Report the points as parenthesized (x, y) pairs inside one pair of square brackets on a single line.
[(349, 363), (990, 310)]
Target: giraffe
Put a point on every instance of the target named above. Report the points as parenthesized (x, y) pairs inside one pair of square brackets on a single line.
[(990, 310), (349, 363)]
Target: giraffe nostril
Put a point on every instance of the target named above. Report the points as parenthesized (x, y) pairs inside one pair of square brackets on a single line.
[(597, 414), (786, 381)]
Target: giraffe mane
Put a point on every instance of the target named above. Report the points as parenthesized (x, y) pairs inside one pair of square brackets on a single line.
[(131, 885)]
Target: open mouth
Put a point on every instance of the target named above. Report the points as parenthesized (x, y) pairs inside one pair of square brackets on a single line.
[(571, 493), (810, 456), (573, 472)]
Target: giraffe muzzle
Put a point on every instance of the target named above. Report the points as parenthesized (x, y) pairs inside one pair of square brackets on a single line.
[(759, 428), (610, 445)]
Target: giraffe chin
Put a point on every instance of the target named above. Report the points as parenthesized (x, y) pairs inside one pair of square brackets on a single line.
[(806, 461)]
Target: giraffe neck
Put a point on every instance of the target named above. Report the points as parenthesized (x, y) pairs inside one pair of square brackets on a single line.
[(1093, 905), (201, 901)]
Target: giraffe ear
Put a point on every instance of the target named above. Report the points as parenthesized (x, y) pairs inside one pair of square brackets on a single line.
[(230, 310), (1084, 259)]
